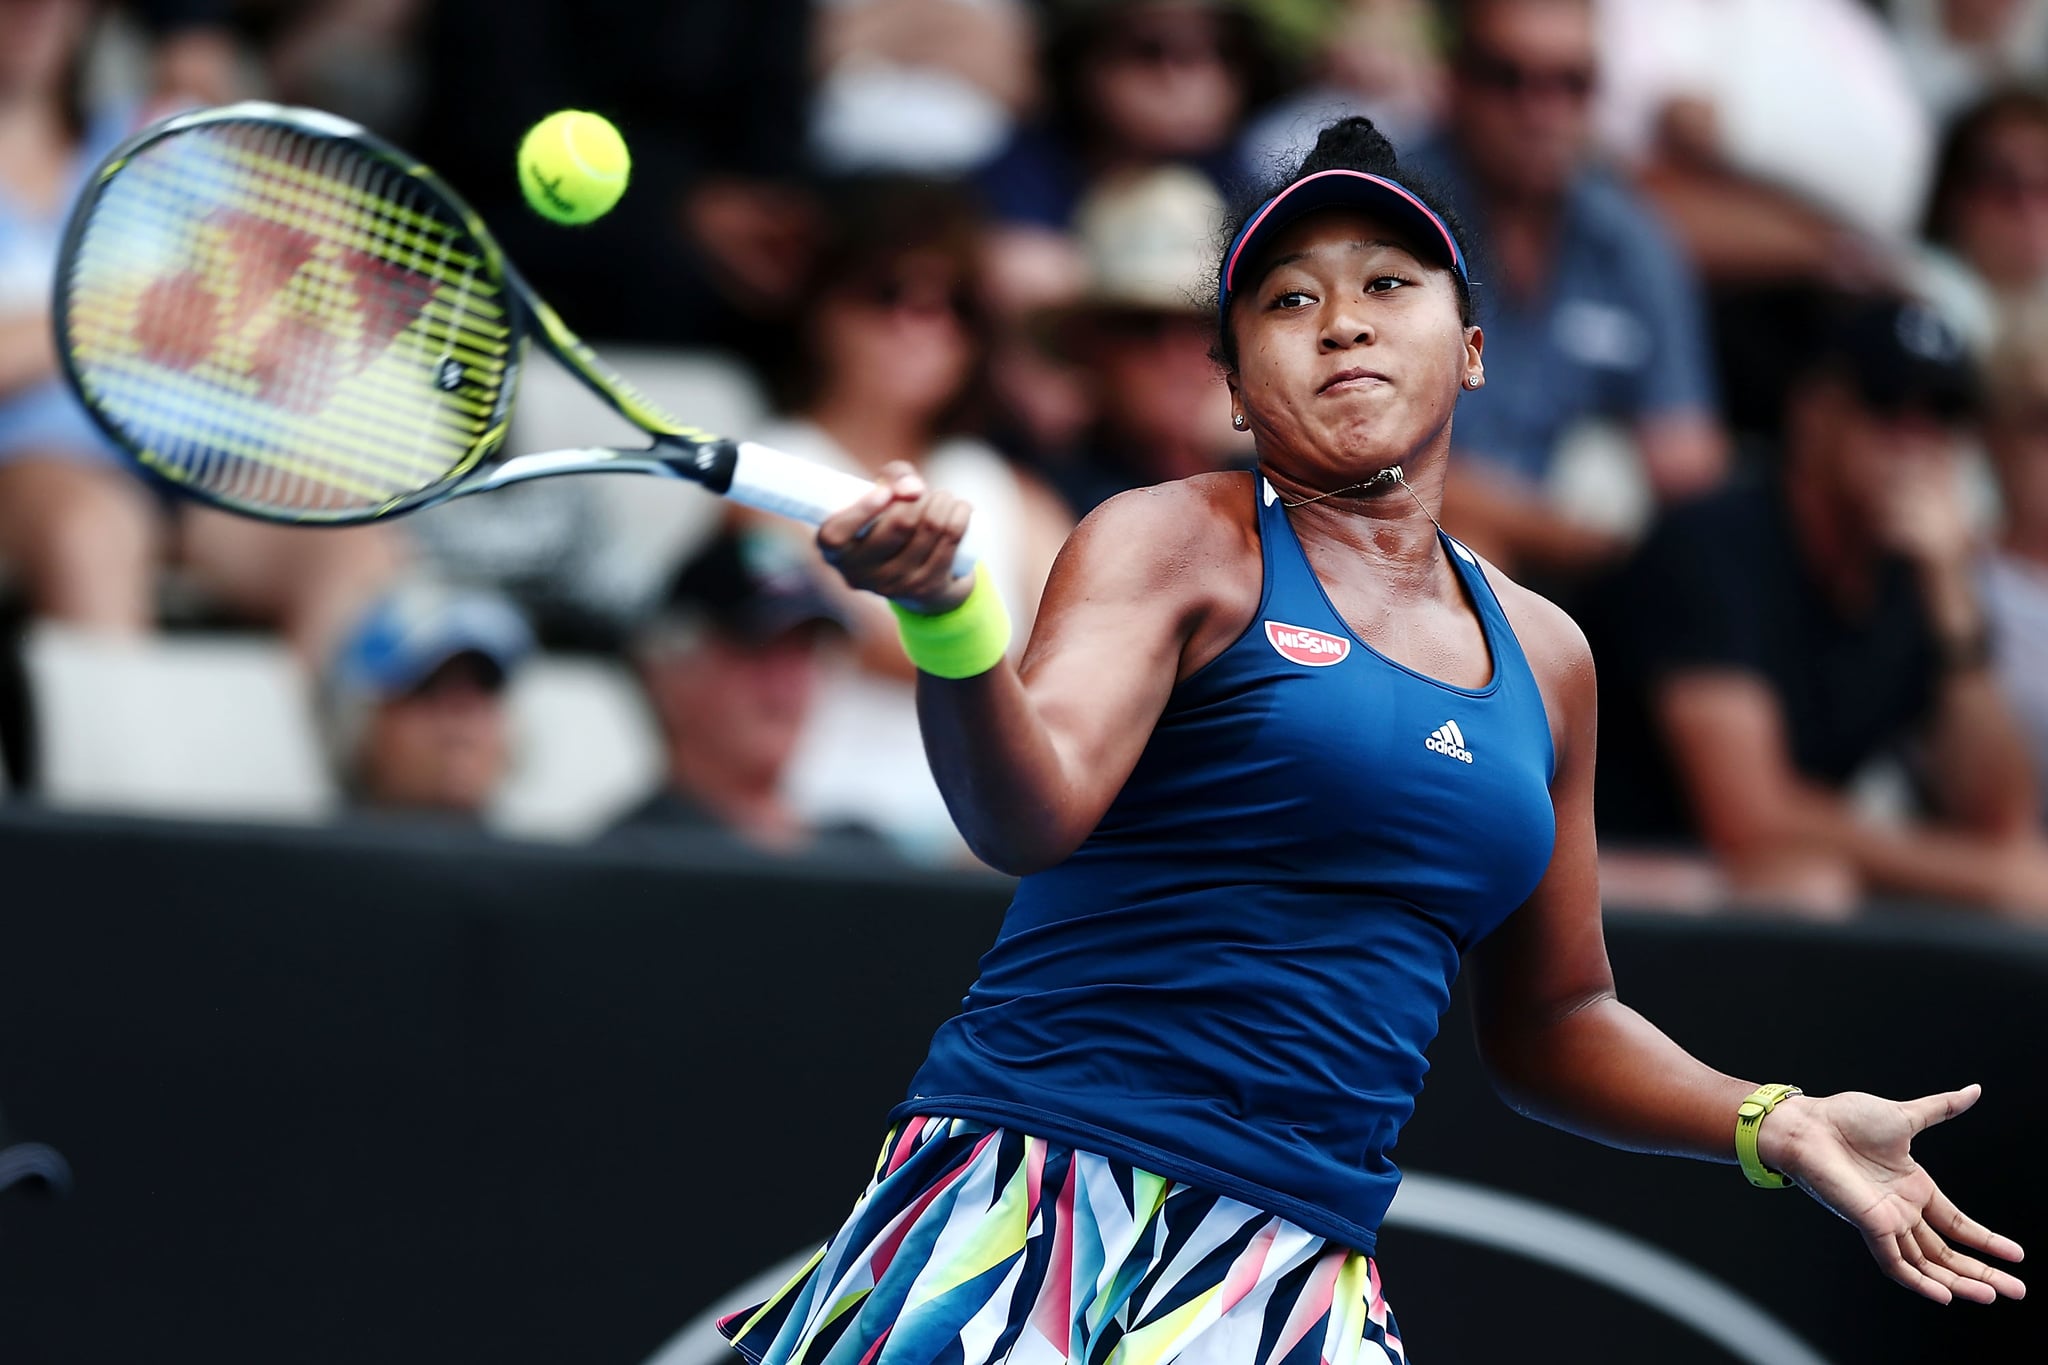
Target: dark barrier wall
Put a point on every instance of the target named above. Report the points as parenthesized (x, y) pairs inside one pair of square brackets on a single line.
[(355, 1097)]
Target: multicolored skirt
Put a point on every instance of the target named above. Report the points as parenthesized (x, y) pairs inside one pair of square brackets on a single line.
[(975, 1245)]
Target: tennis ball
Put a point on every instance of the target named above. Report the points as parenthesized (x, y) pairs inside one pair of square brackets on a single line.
[(573, 166)]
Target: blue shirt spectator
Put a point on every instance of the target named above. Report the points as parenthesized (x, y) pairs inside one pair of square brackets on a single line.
[(43, 419), (1589, 311), (1038, 181), (1617, 332)]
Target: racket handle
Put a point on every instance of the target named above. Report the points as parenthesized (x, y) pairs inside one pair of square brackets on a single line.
[(771, 481)]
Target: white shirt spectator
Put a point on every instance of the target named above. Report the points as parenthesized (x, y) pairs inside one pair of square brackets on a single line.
[(1810, 95), (1950, 74), (923, 86)]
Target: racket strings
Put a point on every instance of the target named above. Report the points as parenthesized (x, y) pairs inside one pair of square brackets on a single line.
[(286, 321)]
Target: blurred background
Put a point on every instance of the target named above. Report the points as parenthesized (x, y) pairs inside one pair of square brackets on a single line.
[(1765, 289)]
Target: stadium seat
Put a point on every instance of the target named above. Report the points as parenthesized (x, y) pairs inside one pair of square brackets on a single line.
[(223, 727), (193, 726), (584, 749)]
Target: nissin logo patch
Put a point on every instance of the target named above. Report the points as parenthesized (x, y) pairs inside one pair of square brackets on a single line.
[(1300, 645)]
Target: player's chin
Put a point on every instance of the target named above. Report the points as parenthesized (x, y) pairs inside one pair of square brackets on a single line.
[(1363, 447)]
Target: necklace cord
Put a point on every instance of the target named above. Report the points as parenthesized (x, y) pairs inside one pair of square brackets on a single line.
[(1391, 474)]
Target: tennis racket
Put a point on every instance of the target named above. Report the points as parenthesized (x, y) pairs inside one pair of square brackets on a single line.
[(280, 314)]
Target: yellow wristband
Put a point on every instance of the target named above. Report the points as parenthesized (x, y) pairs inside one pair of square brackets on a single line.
[(962, 643), (1749, 1117)]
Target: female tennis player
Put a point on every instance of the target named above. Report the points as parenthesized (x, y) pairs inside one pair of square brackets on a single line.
[(1279, 755)]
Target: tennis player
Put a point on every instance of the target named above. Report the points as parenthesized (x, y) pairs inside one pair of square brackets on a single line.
[(1279, 756)]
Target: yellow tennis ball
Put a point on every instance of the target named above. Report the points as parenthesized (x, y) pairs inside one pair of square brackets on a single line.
[(573, 166)]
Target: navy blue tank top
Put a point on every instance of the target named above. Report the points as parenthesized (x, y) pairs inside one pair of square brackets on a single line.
[(1232, 981)]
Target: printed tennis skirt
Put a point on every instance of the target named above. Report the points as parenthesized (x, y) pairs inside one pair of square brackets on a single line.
[(975, 1245)]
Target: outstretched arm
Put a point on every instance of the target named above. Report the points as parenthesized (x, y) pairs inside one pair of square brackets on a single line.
[(1563, 1048)]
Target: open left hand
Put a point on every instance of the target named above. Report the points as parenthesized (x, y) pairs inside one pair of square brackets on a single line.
[(1852, 1152)]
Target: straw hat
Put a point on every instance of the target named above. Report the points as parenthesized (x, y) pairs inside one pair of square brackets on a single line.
[(1150, 239)]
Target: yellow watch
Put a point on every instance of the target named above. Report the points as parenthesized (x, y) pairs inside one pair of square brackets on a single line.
[(1749, 1117)]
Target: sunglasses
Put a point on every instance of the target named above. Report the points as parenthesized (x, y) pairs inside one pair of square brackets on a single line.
[(1165, 44), (1505, 76), (2009, 185), (900, 296)]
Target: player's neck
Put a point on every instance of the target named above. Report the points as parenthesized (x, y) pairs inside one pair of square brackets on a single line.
[(1391, 527)]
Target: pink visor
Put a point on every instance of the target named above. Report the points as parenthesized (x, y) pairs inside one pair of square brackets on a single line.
[(1335, 189)]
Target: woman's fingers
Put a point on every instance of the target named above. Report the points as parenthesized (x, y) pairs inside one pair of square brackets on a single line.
[(934, 578), (845, 526), (1982, 1282), (1944, 1217), (1892, 1259), (899, 540), (1929, 1110), (1903, 1269), (908, 571), (1923, 1259)]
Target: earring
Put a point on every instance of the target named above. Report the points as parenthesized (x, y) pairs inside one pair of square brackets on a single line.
[(1237, 420), (1471, 381)]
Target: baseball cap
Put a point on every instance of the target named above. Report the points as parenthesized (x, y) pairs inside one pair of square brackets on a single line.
[(750, 585), (1901, 355), (1375, 194), (416, 628)]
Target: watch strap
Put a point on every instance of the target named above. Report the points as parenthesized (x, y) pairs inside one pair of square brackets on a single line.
[(1749, 1118)]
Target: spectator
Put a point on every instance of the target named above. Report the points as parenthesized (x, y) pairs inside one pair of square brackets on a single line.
[(884, 364), (80, 534), (1785, 145), (1162, 411), (1589, 312), (731, 668), (2016, 574), (1378, 58), (927, 86), (415, 701), (1958, 51), (1987, 219), (1131, 83), (1772, 640), (1774, 131)]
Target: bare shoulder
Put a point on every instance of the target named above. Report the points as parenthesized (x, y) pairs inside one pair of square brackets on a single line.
[(1181, 556), (1168, 532), (1551, 641)]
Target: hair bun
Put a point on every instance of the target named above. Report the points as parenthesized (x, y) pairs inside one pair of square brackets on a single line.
[(1351, 144)]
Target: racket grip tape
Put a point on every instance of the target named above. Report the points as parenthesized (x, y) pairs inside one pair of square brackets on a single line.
[(771, 481)]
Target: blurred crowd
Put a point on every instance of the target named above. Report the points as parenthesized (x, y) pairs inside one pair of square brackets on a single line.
[(1764, 286)]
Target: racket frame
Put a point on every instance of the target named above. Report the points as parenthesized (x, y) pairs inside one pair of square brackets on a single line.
[(743, 471), (678, 451)]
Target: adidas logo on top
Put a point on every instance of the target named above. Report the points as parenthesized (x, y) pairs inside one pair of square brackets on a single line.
[(1449, 741)]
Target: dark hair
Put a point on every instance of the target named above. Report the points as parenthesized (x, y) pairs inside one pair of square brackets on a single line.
[(1349, 144), (1957, 161), (872, 223)]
